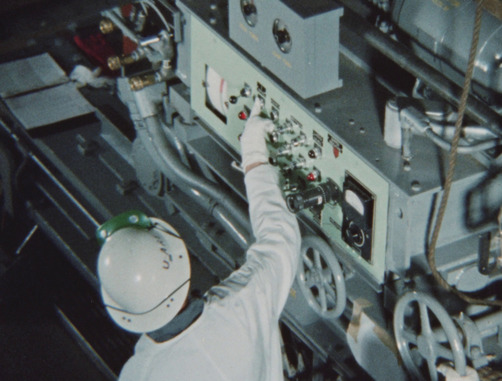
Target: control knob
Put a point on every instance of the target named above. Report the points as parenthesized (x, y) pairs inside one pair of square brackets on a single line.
[(299, 140), (284, 150), (315, 153), (246, 91), (300, 163), (287, 127), (314, 197)]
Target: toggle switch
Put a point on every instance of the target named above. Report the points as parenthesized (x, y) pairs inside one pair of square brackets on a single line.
[(315, 153), (246, 91), (300, 140)]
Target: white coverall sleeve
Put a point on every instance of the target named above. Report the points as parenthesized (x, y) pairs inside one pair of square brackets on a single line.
[(275, 254), (237, 336)]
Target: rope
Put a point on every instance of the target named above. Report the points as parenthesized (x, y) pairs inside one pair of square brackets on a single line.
[(431, 255)]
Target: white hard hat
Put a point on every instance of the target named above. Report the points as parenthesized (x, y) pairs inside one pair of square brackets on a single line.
[(144, 270)]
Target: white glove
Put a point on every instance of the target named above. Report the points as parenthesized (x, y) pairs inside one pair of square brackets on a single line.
[(84, 76), (253, 146), (452, 375)]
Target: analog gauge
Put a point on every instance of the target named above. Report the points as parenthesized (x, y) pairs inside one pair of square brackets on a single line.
[(216, 93), (353, 200), (358, 206)]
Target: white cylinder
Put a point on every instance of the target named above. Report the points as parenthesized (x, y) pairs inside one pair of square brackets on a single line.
[(392, 125)]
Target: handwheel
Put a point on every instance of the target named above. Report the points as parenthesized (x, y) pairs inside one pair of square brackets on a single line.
[(320, 278), (426, 336)]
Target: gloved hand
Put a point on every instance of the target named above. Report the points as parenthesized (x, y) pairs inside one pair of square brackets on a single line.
[(84, 76), (452, 375), (254, 149)]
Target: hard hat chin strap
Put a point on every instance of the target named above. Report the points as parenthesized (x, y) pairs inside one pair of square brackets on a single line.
[(162, 228), (156, 306)]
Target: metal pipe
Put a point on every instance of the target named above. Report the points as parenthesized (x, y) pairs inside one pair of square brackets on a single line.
[(488, 326), (413, 119), (403, 57), (149, 40), (26, 239), (221, 216), (477, 132), (64, 189), (462, 149), (235, 220)]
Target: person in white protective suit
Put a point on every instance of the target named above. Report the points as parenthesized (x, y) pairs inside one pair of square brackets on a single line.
[(233, 332)]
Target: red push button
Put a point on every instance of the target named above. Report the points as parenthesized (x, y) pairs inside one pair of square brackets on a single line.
[(336, 152), (243, 115), (313, 176)]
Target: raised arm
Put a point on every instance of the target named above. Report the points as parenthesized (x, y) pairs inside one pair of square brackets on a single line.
[(275, 254)]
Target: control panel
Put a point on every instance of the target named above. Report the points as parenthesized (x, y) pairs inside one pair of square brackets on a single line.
[(366, 108), (321, 176)]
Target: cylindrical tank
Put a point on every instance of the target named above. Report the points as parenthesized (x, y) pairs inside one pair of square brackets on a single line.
[(440, 32)]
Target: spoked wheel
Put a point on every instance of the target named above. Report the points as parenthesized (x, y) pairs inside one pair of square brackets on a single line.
[(426, 336), (320, 278)]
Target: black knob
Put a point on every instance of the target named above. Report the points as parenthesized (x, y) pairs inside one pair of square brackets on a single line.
[(282, 36), (314, 197), (355, 235), (249, 9)]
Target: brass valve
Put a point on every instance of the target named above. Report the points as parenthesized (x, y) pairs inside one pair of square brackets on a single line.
[(116, 62), (106, 26), (140, 82)]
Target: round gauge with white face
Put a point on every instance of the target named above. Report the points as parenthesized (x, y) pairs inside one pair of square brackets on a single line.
[(355, 201), (216, 91)]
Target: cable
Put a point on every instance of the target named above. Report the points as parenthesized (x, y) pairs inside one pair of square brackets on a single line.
[(451, 169), (159, 14)]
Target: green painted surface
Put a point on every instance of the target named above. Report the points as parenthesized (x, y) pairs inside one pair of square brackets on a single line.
[(209, 50)]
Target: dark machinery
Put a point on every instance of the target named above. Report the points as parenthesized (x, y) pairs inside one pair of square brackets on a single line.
[(401, 256)]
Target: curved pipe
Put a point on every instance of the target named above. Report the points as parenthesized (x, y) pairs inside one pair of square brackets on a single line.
[(416, 120), (207, 194), (477, 132), (462, 149)]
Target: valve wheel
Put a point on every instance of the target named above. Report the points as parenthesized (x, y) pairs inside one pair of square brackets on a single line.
[(320, 278), (426, 340)]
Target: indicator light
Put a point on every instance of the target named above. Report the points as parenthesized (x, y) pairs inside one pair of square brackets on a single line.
[(313, 176), (243, 115), (336, 152)]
